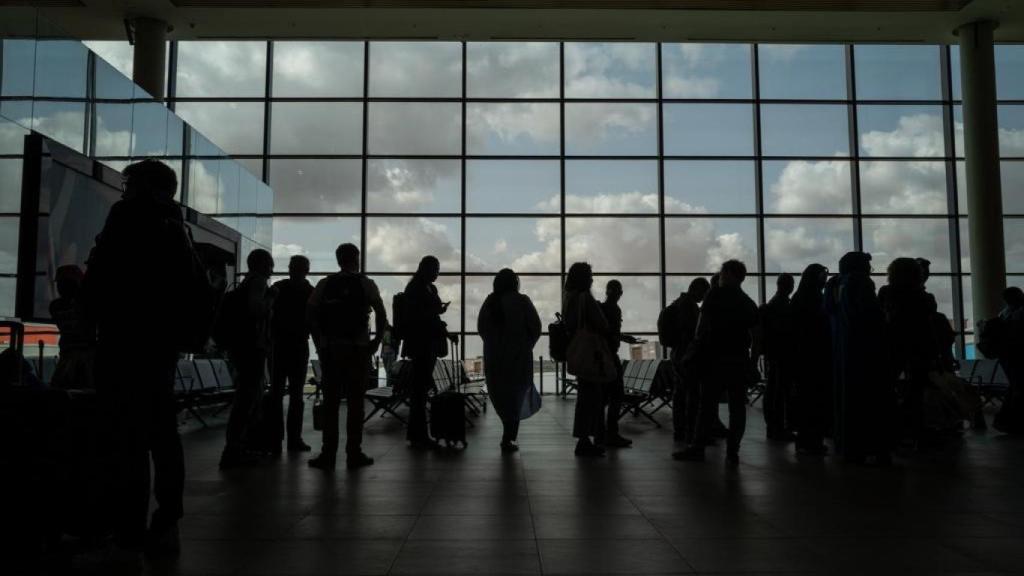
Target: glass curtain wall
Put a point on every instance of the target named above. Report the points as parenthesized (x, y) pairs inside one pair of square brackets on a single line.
[(654, 162)]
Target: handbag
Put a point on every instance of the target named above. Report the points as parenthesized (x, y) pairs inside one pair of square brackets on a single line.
[(588, 357)]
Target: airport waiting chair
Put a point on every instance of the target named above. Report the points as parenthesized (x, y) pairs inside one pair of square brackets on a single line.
[(186, 389), (641, 396), (756, 390), (988, 376), (385, 400)]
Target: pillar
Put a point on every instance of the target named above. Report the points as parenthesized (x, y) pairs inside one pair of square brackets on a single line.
[(981, 150), (150, 55)]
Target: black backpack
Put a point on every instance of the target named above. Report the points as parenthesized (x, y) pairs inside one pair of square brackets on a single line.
[(344, 312), (668, 326), (993, 336), (398, 320), (230, 324), (558, 339)]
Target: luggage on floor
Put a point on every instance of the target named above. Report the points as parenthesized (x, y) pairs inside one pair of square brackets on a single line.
[(448, 407)]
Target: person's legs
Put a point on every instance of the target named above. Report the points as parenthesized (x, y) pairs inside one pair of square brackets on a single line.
[(422, 380), (333, 379), (616, 393), (736, 382), (168, 457), (773, 399), (278, 384), (356, 366), (297, 365), (248, 390)]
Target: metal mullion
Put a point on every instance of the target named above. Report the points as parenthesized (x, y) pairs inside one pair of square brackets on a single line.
[(267, 110), (561, 152), (852, 131), (462, 214), (755, 73), (662, 256), (89, 138), (365, 161), (959, 314), (172, 75)]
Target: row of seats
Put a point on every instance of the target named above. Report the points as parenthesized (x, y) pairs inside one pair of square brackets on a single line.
[(203, 382)]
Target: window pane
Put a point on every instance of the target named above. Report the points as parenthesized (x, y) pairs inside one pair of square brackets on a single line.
[(118, 53), (705, 71), (8, 245), (613, 244), (317, 128), (699, 245), (1011, 131), (901, 131), (890, 238), (230, 68), (407, 69), (544, 291), (12, 134), (804, 72), (958, 131), (709, 129), (1013, 236), (316, 185), (512, 69), (235, 127), (315, 238), (611, 129), (1009, 64), (900, 72), (790, 244), (807, 187), (397, 244), (7, 288), (1012, 176), (513, 186), (111, 84), (19, 58), (676, 285), (10, 185), (413, 185), (449, 289), (512, 129), (60, 69), (113, 129), (805, 130), (522, 244), (62, 121), (611, 187), (309, 69), (709, 186), (610, 70), (156, 131), (641, 303), (412, 128), (891, 187)]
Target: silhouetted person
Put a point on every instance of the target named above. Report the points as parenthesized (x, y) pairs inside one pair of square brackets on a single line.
[(424, 336), (679, 326), (722, 360), (339, 319), (615, 390), (812, 367), (249, 352), (775, 342), (77, 333), (579, 308), (1010, 418), (290, 332), (863, 392), (510, 328), (135, 291)]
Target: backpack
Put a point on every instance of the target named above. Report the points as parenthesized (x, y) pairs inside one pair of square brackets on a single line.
[(229, 325), (993, 336), (344, 312), (197, 304), (558, 339), (668, 327), (397, 320)]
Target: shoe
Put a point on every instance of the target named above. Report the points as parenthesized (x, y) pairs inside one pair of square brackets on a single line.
[(163, 542), (322, 462), (299, 446), (732, 458), (508, 447), (690, 454), (358, 461), (237, 459), (618, 442), (589, 450)]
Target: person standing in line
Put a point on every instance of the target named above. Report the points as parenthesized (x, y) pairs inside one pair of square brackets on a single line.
[(677, 328), (1010, 419), (290, 331), (339, 320), (249, 309), (579, 308), (721, 354), (812, 375), (423, 334), (510, 328), (615, 392), (136, 291), (864, 401), (775, 343), (76, 362)]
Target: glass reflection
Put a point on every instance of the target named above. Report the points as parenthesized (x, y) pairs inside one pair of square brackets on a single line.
[(60, 69)]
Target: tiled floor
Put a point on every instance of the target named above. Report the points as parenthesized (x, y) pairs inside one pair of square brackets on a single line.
[(635, 512)]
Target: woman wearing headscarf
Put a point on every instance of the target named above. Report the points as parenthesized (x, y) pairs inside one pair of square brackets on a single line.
[(510, 328), (424, 335), (812, 375), (863, 394), (580, 309)]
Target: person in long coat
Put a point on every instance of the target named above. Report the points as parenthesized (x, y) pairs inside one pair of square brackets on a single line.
[(510, 327), (579, 309), (863, 395), (813, 373)]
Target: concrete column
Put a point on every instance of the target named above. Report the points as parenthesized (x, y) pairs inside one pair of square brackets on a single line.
[(150, 55), (981, 149)]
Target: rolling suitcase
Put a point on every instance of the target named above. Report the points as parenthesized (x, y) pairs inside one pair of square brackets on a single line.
[(448, 408)]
